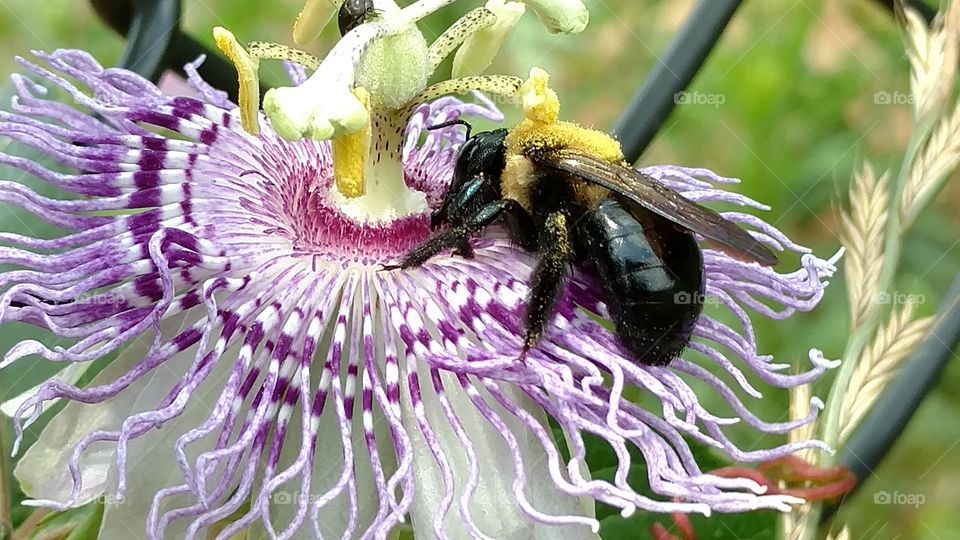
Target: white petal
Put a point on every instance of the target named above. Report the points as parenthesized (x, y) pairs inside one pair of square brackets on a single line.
[(327, 468), (493, 507), (151, 463), (70, 374), (328, 463), (43, 471)]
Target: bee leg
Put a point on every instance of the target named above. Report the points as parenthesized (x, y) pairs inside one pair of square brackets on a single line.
[(453, 208), (465, 250), (548, 277), (522, 229), (452, 237)]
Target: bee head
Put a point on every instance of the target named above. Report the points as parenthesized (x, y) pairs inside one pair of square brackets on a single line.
[(483, 155), (353, 13)]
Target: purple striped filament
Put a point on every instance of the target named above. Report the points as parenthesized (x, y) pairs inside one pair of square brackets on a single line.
[(269, 378)]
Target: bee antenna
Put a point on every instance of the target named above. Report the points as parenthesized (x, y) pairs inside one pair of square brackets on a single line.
[(457, 122)]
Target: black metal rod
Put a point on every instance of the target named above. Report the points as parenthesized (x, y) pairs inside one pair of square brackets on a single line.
[(153, 25), (671, 74), (149, 26), (156, 43)]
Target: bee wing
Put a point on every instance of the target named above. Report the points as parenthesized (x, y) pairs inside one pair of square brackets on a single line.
[(646, 192)]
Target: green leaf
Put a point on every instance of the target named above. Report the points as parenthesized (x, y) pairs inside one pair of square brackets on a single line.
[(81, 523), (761, 525), (615, 527), (19, 513)]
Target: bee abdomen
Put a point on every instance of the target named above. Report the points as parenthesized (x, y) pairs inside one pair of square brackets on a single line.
[(653, 276)]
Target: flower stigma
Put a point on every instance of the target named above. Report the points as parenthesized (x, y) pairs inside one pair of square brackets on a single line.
[(362, 94), (540, 103)]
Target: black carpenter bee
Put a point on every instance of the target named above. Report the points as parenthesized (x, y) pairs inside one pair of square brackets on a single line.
[(353, 13), (567, 193)]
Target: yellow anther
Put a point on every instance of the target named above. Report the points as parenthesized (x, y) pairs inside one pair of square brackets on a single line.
[(247, 66), (350, 155), (540, 102)]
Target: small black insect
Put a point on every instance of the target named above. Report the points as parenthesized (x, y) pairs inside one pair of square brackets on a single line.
[(353, 13), (566, 192)]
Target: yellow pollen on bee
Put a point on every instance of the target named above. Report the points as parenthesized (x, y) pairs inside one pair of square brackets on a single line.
[(247, 66), (350, 154)]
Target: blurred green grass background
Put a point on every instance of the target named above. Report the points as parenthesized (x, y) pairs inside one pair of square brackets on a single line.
[(797, 83)]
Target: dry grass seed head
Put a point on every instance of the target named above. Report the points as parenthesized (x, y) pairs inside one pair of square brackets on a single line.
[(862, 236), (794, 522), (933, 165), (879, 363), (800, 408), (932, 51)]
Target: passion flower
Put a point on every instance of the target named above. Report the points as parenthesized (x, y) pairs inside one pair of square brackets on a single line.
[(269, 374)]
